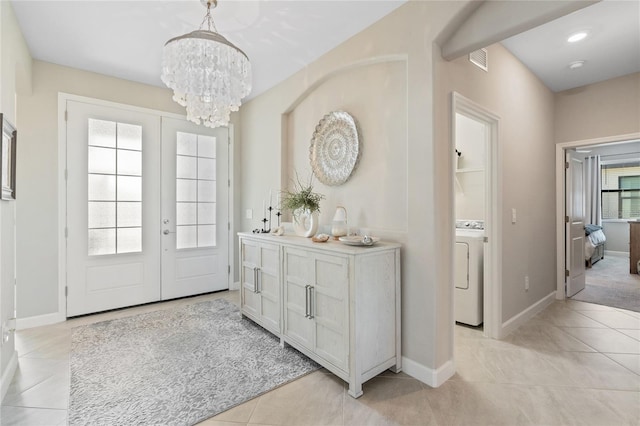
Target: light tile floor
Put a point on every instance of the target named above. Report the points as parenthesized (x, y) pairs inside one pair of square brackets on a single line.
[(575, 363)]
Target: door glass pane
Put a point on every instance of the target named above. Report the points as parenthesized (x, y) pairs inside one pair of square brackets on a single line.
[(102, 133), (102, 188), (207, 168), (186, 167), (102, 241), (130, 136), (129, 163), (195, 190), (186, 237), (186, 190), (206, 191), (129, 188), (102, 160), (130, 214), (207, 213), (129, 240), (186, 214), (206, 146), (206, 235), (102, 214), (186, 144), (115, 178)]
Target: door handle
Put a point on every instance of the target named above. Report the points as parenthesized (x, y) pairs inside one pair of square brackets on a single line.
[(306, 301), (255, 279), (311, 301)]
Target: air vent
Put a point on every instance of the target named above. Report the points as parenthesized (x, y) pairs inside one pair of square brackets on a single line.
[(480, 57)]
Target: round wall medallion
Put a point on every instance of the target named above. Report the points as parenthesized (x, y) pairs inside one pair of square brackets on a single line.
[(335, 148)]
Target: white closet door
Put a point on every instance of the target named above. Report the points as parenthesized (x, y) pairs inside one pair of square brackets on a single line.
[(195, 209), (113, 208)]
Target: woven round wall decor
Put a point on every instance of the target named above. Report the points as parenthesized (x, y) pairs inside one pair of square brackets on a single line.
[(335, 148)]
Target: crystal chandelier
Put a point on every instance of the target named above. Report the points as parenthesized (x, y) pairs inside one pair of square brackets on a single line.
[(208, 74)]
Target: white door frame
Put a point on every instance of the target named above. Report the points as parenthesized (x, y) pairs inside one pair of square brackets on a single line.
[(492, 305), (561, 198), (61, 315)]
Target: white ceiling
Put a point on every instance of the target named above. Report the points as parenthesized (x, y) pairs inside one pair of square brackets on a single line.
[(611, 49), (125, 38)]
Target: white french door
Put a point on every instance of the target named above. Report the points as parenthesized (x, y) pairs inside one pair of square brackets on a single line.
[(134, 182), (195, 216)]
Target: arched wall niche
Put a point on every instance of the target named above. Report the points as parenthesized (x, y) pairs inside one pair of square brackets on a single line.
[(375, 93)]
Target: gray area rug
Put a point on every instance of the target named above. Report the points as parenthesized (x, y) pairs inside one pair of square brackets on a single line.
[(609, 283), (614, 297), (174, 367)]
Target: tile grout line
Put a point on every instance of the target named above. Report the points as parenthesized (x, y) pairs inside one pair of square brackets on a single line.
[(624, 366)]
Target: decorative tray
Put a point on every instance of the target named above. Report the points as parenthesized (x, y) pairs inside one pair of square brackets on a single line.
[(358, 240)]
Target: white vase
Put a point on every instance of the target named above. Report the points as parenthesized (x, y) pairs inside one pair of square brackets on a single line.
[(305, 223)]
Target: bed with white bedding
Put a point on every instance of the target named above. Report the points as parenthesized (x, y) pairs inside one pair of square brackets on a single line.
[(594, 244)]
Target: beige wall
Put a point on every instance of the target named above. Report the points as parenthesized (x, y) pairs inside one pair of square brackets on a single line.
[(603, 109), (15, 77), (526, 148), (398, 92), (37, 223)]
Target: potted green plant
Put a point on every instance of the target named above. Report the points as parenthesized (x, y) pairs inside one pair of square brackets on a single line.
[(304, 205)]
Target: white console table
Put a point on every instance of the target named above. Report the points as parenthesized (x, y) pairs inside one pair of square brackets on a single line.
[(337, 304)]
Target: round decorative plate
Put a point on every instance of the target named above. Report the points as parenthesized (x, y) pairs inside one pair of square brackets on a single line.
[(335, 148)]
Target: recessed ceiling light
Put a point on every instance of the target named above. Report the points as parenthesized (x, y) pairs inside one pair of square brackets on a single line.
[(577, 37), (576, 64)]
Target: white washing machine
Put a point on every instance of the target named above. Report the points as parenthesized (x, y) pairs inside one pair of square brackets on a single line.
[(469, 272)]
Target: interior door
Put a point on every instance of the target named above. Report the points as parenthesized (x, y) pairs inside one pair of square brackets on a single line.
[(113, 243), (195, 209), (575, 236)]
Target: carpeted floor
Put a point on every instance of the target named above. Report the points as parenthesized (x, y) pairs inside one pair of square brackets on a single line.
[(609, 283), (175, 367)]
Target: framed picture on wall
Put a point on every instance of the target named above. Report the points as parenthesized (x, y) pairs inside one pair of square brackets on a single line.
[(8, 159)]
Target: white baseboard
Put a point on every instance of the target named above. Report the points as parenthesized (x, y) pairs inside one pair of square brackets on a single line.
[(235, 286), (616, 253), (7, 375), (431, 377), (517, 320), (37, 321)]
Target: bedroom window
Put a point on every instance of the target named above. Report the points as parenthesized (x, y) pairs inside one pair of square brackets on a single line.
[(621, 190)]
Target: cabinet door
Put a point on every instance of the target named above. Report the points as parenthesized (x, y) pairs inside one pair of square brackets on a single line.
[(269, 286), (330, 309), (260, 283), (298, 275), (250, 261)]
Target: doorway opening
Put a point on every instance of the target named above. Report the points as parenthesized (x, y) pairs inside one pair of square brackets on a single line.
[(610, 198), (477, 297)]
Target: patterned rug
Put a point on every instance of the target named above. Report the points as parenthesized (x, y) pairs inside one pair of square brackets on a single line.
[(174, 367)]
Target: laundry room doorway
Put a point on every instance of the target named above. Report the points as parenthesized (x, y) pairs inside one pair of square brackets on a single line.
[(477, 295)]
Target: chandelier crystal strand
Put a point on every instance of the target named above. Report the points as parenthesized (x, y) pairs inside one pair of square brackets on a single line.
[(208, 75)]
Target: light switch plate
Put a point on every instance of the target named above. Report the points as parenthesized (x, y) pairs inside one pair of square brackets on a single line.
[(248, 214)]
